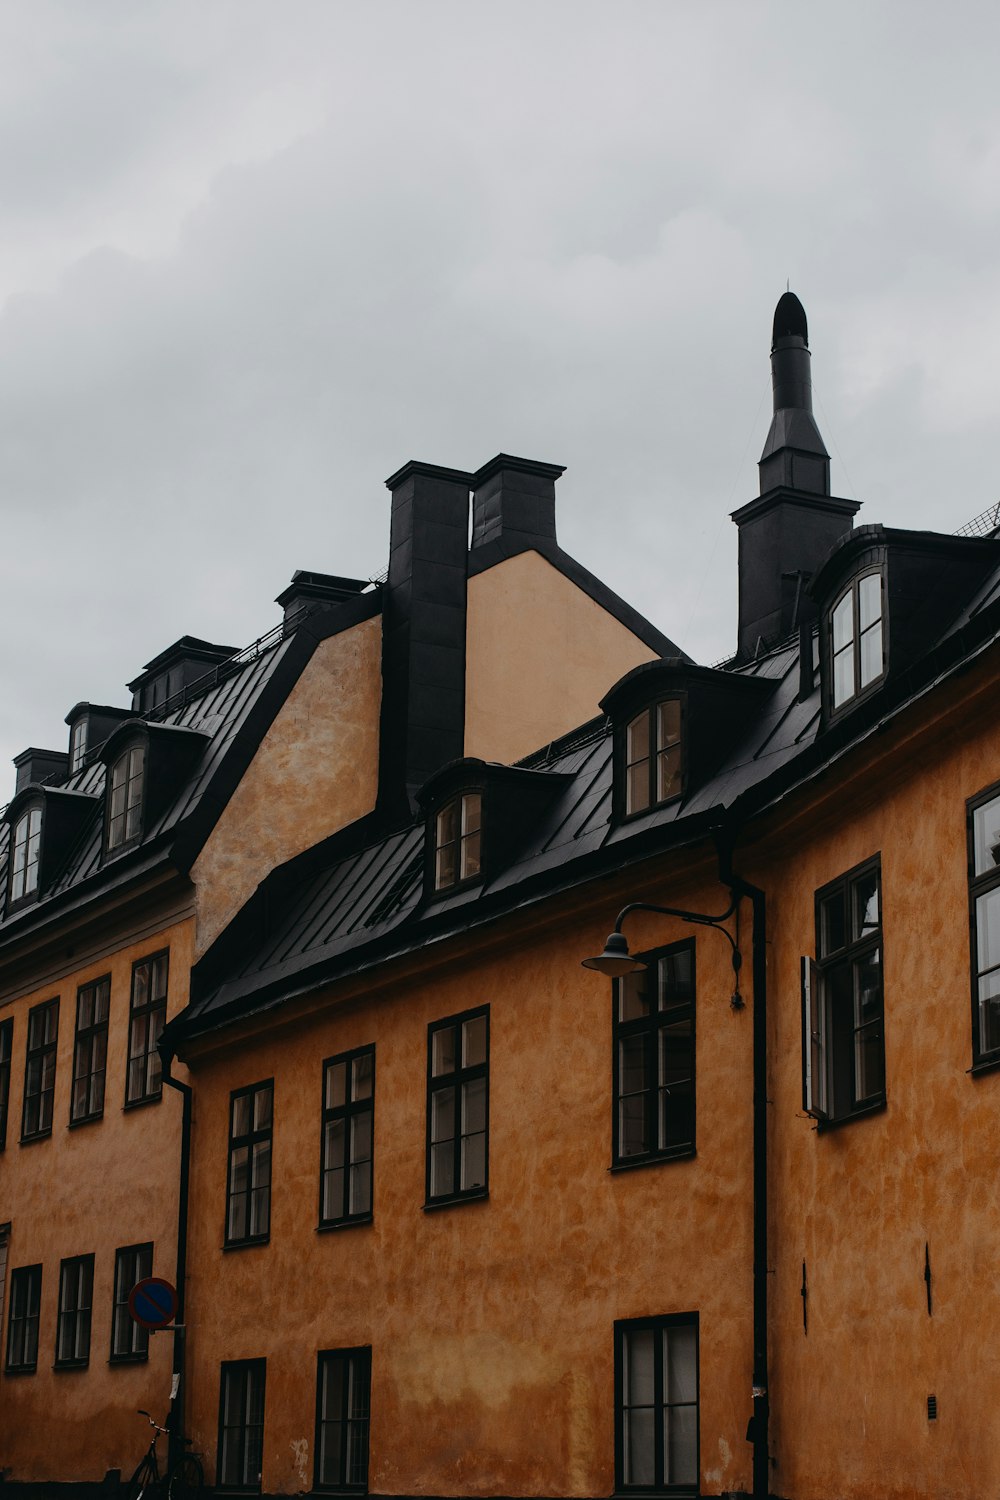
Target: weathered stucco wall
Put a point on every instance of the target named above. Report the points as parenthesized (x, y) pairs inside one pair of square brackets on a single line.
[(858, 1202), (540, 654), (316, 770), (92, 1189), (491, 1323)]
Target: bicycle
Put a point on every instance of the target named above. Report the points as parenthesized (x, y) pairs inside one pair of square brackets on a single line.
[(184, 1480)]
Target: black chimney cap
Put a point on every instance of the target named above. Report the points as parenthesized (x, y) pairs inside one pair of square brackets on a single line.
[(789, 320)]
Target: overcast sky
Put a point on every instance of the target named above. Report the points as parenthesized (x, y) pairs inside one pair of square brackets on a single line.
[(256, 254)]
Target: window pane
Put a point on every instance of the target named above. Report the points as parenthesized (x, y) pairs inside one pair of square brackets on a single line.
[(640, 1462), (262, 1104), (334, 1143), (864, 894), (473, 1042), (474, 1106), (843, 677), (986, 836), (680, 1445), (442, 1169), (336, 1085), (676, 977), (637, 739), (668, 774), (842, 622), (637, 787), (444, 867), (870, 599), (443, 1051), (361, 1188), (669, 724), (443, 1115), (447, 824), (333, 1193), (871, 655), (639, 1357), (472, 809), (470, 856), (473, 1162), (832, 924), (680, 1363), (988, 929), (989, 1012), (362, 1076), (631, 1064), (632, 1125), (361, 1136), (633, 996), (241, 1114)]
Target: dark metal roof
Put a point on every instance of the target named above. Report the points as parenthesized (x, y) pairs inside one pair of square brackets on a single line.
[(349, 905)]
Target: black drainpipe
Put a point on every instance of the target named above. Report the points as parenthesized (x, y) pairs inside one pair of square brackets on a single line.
[(176, 1419), (758, 1432)]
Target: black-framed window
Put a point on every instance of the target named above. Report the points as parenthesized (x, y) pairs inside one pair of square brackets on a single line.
[(25, 853), (126, 779), (343, 1415), (652, 757), (345, 1189), (76, 1295), (6, 1054), (40, 1070), (77, 744), (458, 1106), (248, 1184), (22, 1319), (856, 637), (458, 841), (241, 1425), (984, 916), (90, 1052), (129, 1341), (654, 1058), (147, 1017), (656, 1406), (843, 1028)]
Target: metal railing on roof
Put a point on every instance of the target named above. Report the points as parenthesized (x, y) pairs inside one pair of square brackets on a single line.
[(224, 669), (984, 524)]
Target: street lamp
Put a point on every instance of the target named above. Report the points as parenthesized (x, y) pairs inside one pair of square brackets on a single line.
[(616, 960)]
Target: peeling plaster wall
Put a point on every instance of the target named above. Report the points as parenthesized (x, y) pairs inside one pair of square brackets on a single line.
[(316, 770), (540, 654)]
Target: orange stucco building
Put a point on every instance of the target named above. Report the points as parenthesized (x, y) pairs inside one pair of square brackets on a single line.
[(450, 1214)]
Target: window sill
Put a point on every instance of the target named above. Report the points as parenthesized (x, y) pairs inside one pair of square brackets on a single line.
[(984, 1065), (682, 1153), (129, 1359), (61, 1365), (822, 1126), (18, 1370), (141, 1103), (40, 1135), (480, 1195), (345, 1224), (249, 1244), (85, 1120)]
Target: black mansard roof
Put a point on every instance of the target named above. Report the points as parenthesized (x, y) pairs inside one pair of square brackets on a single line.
[(231, 709), (359, 898)]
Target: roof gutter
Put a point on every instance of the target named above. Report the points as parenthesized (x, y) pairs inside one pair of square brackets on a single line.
[(175, 1421)]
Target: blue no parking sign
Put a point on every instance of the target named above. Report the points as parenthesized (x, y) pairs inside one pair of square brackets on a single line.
[(153, 1302)]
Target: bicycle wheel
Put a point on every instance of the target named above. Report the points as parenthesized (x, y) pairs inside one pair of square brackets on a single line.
[(143, 1481), (187, 1479)]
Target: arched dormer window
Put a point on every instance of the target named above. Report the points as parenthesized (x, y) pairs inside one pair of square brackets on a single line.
[(126, 781), (653, 756), (857, 641), (458, 841), (25, 855)]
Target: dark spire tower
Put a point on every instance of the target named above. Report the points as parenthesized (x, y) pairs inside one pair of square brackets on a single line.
[(786, 533)]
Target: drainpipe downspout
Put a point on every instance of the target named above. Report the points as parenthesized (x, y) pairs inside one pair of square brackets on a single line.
[(175, 1437), (761, 1399)]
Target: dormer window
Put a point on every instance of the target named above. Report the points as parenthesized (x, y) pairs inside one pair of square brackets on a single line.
[(125, 786), (457, 841), (25, 847), (857, 656), (653, 756), (77, 745)]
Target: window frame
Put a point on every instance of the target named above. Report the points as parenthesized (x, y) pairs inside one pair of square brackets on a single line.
[(82, 1265), (121, 1319), (984, 1059), (823, 1043), (649, 1027), (853, 588), (363, 1356), (77, 744), (249, 1368), (6, 1067), (88, 1036), (32, 841), (350, 1110), (31, 1278), (126, 841), (651, 710), (475, 877), (42, 1050), (458, 1078), (256, 1135), (146, 1011), (659, 1324)]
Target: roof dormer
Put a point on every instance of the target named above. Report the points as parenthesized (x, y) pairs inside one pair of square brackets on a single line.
[(45, 822), (146, 766), (174, 670)]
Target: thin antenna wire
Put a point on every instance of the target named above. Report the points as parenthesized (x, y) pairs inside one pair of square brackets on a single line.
[(828, 426), (699, 592)]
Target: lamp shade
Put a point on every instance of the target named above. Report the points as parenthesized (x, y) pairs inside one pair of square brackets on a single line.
[(616, 959)]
